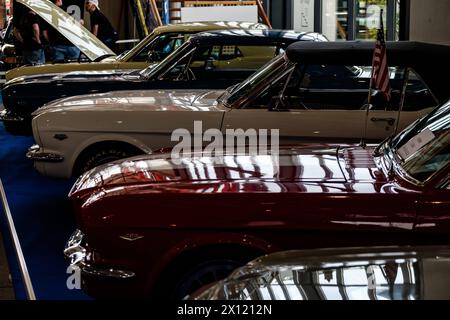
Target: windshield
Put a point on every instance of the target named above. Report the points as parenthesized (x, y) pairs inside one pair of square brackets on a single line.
[(167, 63), (247, 86), (424, 148), (136, 49), (158, 48)]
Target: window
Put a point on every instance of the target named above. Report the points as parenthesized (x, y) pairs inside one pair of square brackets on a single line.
[(330, 87), (431, 158), (161, 47), (221, 62), (425, 148), (357, 19), (418, 96), (326, 87)]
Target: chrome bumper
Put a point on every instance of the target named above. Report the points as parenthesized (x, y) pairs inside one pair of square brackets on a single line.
[(7, 116), (35, 153), (76, 254)]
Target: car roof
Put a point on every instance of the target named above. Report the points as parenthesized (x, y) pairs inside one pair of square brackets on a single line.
[(361, 52), (239, 36), (205, 26), (192, 27), (431, 61)]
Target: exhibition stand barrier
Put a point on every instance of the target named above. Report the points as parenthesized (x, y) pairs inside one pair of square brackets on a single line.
[(17, 247)]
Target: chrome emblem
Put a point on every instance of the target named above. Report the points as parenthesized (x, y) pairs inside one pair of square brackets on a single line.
[(131, 237)]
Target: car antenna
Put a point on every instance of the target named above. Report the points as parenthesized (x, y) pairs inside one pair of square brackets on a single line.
[(363, 143), (402, 99), (391, 173)]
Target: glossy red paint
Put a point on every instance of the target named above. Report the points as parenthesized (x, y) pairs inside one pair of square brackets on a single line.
[(310, 197)]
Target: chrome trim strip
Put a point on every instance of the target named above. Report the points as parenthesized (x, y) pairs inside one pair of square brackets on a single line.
[(17, 247), (109, 273), (34, 153), (8, 117), (76, 254)]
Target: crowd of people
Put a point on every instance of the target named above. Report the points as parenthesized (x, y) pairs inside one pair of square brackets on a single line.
[(37, 40)]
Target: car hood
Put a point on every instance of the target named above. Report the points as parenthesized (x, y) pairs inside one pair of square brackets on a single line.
[(148, 100), (94, 75), (78, 35), (299, 165)]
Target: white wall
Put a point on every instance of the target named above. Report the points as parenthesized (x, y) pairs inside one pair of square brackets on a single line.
[(430, 21)]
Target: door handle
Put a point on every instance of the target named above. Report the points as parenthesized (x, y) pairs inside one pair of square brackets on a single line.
[(390, 121)]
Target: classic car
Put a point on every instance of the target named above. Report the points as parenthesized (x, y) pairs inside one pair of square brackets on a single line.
[(380, 273), (220, 59), (91, 47), (153, 48), (150, 225), (313, 92)]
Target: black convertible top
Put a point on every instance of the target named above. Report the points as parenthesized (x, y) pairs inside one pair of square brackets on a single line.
[(430, 61), (254, 37)]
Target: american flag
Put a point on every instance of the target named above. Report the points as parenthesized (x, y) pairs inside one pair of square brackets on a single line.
[(380, 75)]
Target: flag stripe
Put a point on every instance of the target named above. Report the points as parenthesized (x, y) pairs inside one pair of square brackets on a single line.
[(380, 72)]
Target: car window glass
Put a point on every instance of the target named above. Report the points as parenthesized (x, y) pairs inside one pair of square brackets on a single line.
[(161, 47), (230, 52), (222, 62), (256, 85), (268, 97), (418, 96), (340, 87), (331, 87), (431, 158), (425, 157)]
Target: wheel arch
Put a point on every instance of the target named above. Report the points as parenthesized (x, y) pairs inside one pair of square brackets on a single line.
[(184, 254), (98, 142)]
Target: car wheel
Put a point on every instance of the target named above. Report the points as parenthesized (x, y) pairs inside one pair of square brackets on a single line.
[(189, 275), (203, 275), (101, 156)]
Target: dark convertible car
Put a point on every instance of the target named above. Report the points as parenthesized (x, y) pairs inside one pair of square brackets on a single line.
[(211, 60)]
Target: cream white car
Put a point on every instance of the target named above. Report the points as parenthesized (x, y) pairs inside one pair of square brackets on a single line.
[(309, 93)]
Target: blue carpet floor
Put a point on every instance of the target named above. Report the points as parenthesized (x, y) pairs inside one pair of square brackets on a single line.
[(43, 220)]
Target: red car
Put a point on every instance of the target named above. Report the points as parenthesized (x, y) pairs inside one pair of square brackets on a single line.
[(148, 227)]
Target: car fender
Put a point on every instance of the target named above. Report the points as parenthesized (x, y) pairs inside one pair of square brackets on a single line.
[(204, 241), (109, 137)]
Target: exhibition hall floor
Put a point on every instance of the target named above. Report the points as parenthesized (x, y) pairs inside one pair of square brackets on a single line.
[(43, 219)]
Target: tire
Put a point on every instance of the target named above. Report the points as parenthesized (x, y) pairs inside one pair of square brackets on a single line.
[(197, 273), (106, 154)]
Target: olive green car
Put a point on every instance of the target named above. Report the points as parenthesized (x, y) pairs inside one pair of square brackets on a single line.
[(155, 47)]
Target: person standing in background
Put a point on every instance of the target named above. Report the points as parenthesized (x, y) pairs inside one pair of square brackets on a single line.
[(30, 36), (100, 25), (61, 48)]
